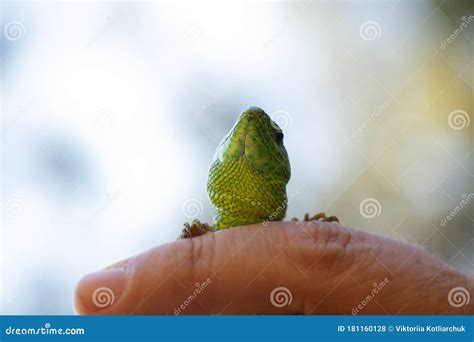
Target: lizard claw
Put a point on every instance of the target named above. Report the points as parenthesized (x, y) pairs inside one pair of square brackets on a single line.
[(318, 217), (196, 228)]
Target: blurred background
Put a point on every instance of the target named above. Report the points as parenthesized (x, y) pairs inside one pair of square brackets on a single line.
[(111, 113)]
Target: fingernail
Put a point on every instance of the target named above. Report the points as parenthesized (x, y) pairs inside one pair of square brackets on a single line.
[(100, 290)]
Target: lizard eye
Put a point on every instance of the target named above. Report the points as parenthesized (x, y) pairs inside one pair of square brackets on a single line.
[(279, 136)]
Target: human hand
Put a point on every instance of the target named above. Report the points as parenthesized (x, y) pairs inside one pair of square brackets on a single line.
[(281, 268)]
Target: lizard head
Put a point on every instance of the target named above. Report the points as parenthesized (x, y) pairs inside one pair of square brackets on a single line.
[(258, 140), (248, 176)]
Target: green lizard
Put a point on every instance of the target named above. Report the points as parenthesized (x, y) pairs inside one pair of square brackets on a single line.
[(248, 176)]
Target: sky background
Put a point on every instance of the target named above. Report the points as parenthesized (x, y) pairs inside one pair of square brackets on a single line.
[(111, 112)]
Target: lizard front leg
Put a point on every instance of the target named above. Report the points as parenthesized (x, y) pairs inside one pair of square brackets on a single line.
[(318, 217), (196, 228)]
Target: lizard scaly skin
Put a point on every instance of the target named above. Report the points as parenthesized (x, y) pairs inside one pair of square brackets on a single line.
[(248, 176)]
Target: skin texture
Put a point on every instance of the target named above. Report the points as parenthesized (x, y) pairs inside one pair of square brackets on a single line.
[(329, 269), (248, 175)]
